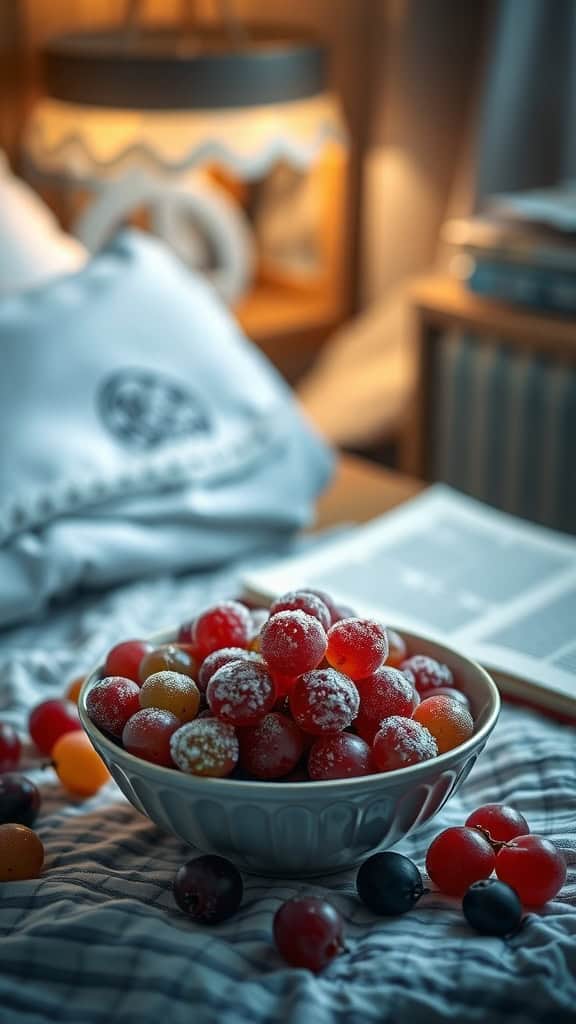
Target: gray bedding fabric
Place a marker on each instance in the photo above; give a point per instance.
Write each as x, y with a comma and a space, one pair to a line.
98, 937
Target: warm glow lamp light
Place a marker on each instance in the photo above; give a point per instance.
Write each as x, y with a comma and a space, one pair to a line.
208, 133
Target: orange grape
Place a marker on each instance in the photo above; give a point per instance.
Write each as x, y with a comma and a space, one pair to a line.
448, 720
80, 769
73, 690
171, 691
397, 652
21, 853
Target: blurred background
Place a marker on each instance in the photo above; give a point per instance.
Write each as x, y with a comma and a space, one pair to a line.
383, 192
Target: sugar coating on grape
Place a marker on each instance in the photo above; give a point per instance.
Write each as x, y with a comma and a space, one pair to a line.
241, 692
172, 691
227, 624
205, 747
293, 642
357, 646
111, 702
385, 693
305, 601
222, 657
324, 701
426, 673
449, 721
401, 742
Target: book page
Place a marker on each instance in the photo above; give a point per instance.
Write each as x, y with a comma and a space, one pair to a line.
443, 564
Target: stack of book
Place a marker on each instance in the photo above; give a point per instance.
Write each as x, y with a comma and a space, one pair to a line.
522, 249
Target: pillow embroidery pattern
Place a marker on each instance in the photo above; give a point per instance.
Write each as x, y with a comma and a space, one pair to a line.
144, 409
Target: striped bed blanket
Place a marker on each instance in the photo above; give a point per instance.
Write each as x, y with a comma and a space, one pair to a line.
98, 938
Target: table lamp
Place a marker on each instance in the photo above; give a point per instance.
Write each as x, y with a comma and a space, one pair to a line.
222, 139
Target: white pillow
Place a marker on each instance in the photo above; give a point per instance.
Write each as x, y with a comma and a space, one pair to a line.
33, 249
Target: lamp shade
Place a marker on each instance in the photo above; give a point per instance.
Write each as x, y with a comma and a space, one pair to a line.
181, 126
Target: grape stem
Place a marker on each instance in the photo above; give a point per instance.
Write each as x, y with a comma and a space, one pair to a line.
496, 844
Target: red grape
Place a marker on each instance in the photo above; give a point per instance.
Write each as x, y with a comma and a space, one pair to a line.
241, 692
217, 659
111, 702
271, 748
186, 634
208, 889
10, 747
50, 720
124, 659
457, 858
401, 742
327, 600
533, 867
305, 601
386, 692
324, 701
426, 673
293, 642
501, 822
205, 747
308, 932
341, 756
449, 721
148, 733
227, 624
357, 647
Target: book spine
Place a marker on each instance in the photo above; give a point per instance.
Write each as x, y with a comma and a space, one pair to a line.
543, 289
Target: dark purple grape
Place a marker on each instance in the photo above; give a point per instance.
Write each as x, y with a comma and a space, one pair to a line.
208, 889
492, 907
19, 800
389, 883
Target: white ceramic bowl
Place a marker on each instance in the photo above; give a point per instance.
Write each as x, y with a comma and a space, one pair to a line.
303, 828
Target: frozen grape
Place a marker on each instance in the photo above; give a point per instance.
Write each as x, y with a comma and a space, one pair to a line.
385, 693
171, 691
401, 742
111, 702
341, 756
125, 658
426, 673
324, 701
305, 601
271, 748
227, 624
292, 643
205, 747
168, 658
241, 692
357, 647
449, 721
148, 733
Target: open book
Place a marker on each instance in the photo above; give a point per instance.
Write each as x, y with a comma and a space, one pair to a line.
500, 589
